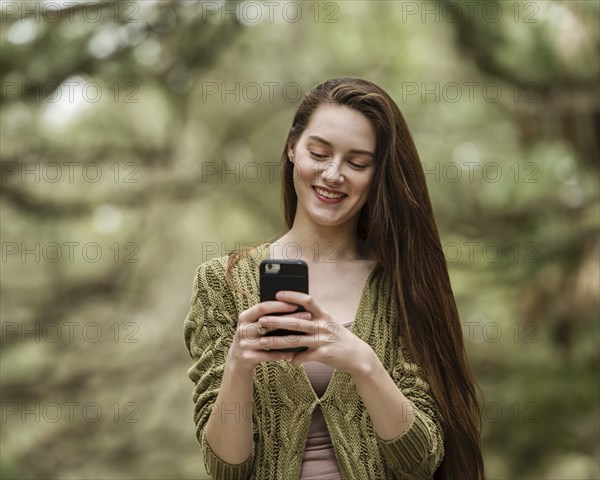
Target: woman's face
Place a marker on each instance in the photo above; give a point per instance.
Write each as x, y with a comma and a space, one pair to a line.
334, 163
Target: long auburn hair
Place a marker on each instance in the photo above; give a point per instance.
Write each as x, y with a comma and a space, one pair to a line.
398, 225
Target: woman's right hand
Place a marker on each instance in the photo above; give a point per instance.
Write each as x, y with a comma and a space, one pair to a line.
246, 352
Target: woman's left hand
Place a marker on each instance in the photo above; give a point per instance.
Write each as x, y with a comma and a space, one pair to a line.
327, 341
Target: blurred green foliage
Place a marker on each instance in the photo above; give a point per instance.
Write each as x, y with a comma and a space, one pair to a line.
139, 139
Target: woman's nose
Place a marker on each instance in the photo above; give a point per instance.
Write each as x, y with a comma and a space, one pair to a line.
331, 173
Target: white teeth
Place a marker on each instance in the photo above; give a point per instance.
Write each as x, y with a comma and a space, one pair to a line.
327, 194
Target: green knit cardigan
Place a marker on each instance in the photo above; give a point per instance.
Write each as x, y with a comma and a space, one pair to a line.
283, 397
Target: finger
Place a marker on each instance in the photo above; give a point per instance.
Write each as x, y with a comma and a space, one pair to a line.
305, 316
302, 315
264, 308
296, 320
249, 332
248, 342
269, 353
286, 341
295, 323
261, 330
303, 299
254, 330
321, 330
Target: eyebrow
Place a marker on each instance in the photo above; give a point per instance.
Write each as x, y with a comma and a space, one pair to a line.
354, 150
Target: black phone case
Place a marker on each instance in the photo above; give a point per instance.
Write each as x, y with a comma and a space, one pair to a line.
292, 275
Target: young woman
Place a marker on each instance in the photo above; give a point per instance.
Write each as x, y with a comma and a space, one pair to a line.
384, 389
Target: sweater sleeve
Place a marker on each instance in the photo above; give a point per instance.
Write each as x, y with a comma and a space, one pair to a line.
209, 329
418, 451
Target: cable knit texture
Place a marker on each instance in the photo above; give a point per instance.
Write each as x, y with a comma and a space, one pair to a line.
283, 398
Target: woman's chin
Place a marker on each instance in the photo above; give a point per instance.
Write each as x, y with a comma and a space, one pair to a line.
327, 221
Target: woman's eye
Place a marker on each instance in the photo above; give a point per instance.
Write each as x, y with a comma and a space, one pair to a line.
317, 155
358, 166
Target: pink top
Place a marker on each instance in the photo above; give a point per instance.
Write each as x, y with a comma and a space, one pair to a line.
319, 462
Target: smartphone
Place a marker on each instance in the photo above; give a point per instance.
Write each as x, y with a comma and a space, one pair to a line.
277, 275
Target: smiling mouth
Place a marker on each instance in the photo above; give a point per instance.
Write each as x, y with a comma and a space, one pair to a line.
328, 194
